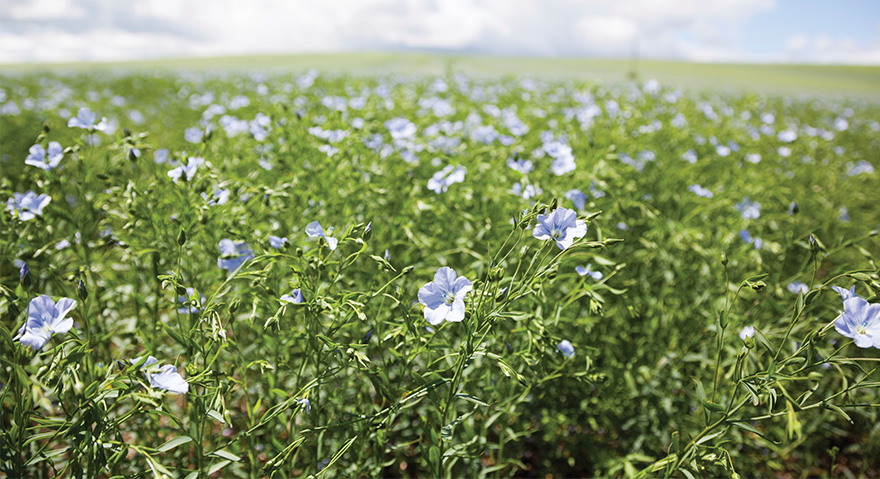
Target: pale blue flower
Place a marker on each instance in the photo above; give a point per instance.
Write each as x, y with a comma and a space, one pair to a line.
449, 175
277, 242
184, 299
401, 128
160, 156
315, 230
27, 205
563, 160
43, 159
844, 214
563, 165
220, 197
528, 192
166, 377
444, 297
861, 167
295, 297
860, 321
45, 318
188, 170
520, 165
798, 287
749, 209
566, 348
578, 197
596, 275
700, 191
746, 332
844, 293
233, 255
307, 403
193, 134
85, 119
562, 226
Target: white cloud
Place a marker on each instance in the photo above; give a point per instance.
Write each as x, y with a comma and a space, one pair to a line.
41, 9
827, 49
614, 34
69, 30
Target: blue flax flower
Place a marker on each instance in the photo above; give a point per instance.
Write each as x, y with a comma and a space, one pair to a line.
449, 175
700, 191
749, 209
277, 242
294, 297
188, 170
845, 294
85, 118
27, 205
166, 377
233, 255
746, 332
444, 297
45, 318
43, 159
566, 348
578, 197
315, 230
860, 321
798, 287
561, 226
588, 271
183, 299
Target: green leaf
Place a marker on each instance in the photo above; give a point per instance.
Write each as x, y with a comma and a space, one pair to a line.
177, 441
226, 455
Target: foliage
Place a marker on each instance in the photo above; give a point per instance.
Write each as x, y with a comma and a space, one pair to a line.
312, 356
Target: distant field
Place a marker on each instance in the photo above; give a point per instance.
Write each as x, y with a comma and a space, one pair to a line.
824, 80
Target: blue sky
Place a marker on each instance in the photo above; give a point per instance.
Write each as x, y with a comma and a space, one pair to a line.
803, 31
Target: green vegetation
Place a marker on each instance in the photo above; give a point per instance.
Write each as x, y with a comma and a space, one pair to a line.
707, 214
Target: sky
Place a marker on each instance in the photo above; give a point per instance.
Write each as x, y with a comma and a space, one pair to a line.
797, 31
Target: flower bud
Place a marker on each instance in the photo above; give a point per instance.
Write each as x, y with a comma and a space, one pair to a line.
24, 276
181, 238
724, 259
408, 270
496, 274
368, 231
181, 290
299, 252
814, 246
46, 128
723, 319
553, 204
132, 156
793, 208
81, 291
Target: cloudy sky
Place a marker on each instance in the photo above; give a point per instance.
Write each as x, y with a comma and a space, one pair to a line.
812, 31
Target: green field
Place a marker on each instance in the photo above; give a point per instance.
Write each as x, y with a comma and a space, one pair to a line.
434, 266
824, 80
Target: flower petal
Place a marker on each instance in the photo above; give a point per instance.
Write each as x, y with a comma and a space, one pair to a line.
35, 339
436, 315
314, 229
430, 296
445, 278
456, 312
